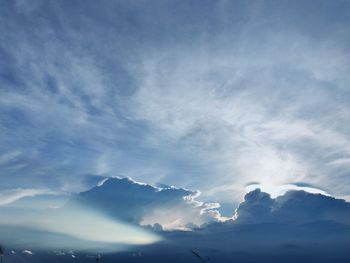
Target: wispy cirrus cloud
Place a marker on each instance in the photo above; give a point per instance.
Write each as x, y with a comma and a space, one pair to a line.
215, 96
9, 196
258, 116
8, 157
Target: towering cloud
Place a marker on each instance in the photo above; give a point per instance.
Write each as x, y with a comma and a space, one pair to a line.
131, 201
293, 207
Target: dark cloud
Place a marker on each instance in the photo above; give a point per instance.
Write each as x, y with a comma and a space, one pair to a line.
294, 206
140, 203
296, 227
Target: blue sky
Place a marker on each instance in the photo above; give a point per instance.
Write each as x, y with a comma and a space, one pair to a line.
207, 95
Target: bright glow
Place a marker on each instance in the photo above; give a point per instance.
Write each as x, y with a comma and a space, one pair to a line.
77, 223
89, 225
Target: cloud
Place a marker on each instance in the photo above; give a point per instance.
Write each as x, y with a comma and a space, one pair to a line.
246, 115
340, 162
144, 204
275, 191
9, 196
8, 157
28, 252
294, 206
29, 221
304, 224
297, 224
224, 93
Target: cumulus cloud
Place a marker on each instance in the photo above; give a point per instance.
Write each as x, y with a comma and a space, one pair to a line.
177, 208
131, 201
298, 224
293, 207
275, 191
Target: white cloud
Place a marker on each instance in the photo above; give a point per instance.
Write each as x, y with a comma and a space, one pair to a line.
268, 116
340, 161
28, 252
9, 196
253, 102
9, 156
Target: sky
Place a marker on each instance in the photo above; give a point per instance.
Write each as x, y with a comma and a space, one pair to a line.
214, 96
